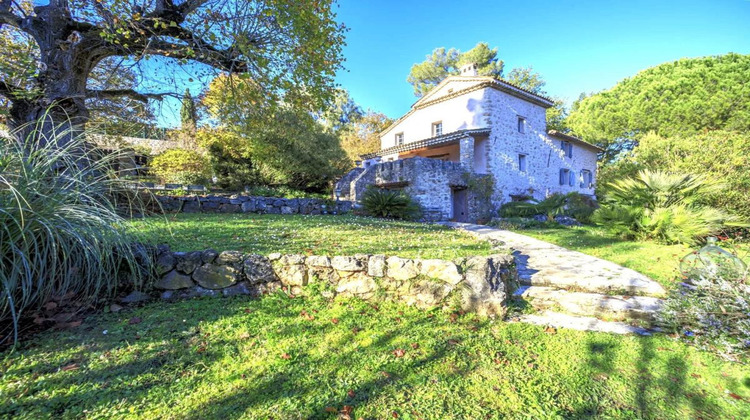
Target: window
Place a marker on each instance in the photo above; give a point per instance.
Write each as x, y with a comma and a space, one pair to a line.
587, 179
437, 129
522, 163
521, 124
399, 139
567, 148
565, 176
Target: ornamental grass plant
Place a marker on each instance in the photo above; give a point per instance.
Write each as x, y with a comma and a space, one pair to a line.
62, 232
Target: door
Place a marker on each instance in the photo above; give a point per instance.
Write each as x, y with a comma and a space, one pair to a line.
460, 206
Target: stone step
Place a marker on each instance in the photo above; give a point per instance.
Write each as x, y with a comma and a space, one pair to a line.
581, 323
605, 282
608, 307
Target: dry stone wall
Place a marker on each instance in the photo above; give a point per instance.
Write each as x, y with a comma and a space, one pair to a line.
480, 284
250, 204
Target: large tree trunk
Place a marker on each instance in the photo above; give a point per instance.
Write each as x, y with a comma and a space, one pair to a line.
55, 111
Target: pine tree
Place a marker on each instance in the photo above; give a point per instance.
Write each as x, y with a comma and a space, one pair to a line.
187, 112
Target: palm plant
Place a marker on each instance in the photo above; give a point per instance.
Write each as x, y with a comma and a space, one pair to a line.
60, 229
388, 203
663, 206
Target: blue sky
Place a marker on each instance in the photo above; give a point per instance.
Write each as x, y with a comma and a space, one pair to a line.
577, 46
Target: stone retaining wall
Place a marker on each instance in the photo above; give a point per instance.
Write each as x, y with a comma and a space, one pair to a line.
248, 204
477, 284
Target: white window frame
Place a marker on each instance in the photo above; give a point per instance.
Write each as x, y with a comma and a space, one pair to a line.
587, 178
399, 139
437, 128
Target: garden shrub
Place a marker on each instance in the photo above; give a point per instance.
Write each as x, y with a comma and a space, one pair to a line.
180, 166
391, 204
572, 204
712, 308
60, 229
663, 206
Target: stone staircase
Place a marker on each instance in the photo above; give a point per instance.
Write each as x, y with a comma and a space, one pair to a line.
574, 290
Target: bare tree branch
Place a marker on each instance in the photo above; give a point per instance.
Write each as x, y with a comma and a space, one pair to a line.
131, 93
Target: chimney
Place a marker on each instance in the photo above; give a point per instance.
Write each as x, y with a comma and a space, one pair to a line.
469, 69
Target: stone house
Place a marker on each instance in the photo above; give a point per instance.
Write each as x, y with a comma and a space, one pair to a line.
471, 144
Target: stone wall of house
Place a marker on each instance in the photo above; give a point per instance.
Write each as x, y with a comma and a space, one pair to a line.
477, 284
248, 204
544, 157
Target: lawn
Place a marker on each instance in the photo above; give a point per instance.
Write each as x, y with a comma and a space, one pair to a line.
319, 235
284, 358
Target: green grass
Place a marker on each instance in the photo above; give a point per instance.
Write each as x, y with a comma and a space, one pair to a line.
318, 235
239, 358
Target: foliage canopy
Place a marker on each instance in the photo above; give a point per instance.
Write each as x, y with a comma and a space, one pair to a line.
684, 97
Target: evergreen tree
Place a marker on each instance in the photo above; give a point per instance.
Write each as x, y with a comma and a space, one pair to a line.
187, 112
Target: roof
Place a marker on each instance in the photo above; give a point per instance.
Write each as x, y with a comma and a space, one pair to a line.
483, 82
432, 141
573, 139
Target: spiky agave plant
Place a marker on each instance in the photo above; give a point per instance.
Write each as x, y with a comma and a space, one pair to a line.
60, 229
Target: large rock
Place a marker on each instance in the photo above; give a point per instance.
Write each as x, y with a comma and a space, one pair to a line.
209, 256
358, 284
212, 276
165, 262
291, 275
292, 259
428, 293
356, 263
258, 269
248, 206
174, 281
229, 258
485, 293
402, 269
441, 270
189, 261
318, 261
376, 266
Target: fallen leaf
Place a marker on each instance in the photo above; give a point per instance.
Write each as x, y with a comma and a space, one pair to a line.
399, 352
735, 396
72, 366
550, 330
50, 305
414, 345
335, 320
385, 374
135, 320
394, 414
695, 375
351, 394
286, 356
115, 307
331, 410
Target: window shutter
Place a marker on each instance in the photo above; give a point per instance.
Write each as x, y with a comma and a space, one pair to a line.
562, 176
572, 179
570, 150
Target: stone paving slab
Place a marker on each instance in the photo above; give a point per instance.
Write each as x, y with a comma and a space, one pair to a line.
581, 323
541, 263
590, 304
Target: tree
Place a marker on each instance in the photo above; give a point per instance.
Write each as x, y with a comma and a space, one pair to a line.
684, 97
717, 154
363, 135
527, 78
188, 115
341, 112
443, 63
278, 145
285, 45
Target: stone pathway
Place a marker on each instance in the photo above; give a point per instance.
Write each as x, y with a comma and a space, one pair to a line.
575, 286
